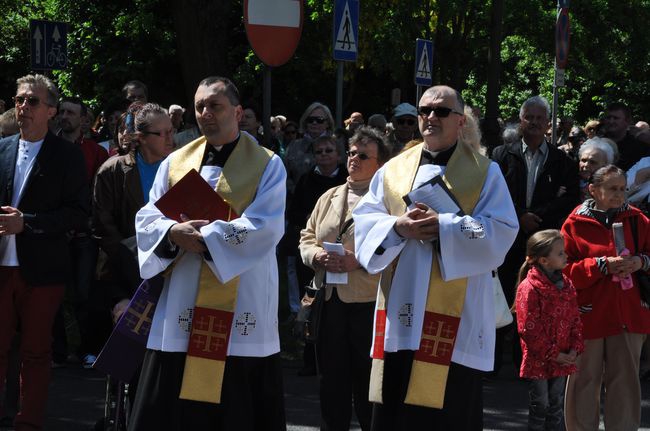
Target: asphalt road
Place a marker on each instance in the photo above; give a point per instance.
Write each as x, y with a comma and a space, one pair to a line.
77, 399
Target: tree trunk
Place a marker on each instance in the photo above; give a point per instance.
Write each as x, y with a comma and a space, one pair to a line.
202, 34
491, 129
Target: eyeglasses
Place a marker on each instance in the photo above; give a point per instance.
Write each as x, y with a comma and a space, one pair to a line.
315, 120
31, 100
362, 156
161, 134
402, 121
326, 150
440, 111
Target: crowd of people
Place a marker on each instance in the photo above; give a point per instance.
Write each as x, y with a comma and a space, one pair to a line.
405, 224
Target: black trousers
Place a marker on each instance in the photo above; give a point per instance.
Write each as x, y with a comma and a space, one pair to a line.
463, 405
344, 363
252, 397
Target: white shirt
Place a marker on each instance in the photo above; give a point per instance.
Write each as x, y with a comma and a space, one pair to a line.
470, 246
27, 152
534, 164
243, 247
638, 192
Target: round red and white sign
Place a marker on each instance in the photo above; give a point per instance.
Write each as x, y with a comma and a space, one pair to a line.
273, 28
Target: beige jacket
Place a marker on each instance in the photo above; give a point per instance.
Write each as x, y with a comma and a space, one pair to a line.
324, 224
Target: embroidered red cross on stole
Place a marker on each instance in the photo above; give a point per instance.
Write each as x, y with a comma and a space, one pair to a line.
210, 333
380, 330
438, 338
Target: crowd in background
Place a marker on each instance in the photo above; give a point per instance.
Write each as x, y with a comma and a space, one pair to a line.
596, 175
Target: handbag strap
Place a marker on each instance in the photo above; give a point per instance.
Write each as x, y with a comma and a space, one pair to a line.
343, 229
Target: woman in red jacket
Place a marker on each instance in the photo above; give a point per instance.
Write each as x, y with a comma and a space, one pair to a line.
615, 319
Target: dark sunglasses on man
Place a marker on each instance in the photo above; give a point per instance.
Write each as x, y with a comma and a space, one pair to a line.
326, 151
31, 100
315, 120
440, 111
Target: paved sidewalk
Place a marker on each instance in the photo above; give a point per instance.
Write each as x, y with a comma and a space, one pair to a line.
77, 400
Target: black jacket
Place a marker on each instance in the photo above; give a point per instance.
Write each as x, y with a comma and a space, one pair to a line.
558, 170
55, 201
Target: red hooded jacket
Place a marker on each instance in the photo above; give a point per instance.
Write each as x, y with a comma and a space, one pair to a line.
548, 322
605, 308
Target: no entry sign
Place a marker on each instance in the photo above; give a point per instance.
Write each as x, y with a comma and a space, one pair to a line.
273, 28
562, 39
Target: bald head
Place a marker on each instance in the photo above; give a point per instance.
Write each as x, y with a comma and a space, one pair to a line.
446, 92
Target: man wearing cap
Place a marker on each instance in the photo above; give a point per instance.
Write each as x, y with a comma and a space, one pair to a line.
405, 124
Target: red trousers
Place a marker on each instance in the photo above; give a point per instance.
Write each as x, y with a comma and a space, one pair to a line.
34, 308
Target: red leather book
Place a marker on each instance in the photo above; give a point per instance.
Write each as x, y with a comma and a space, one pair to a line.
194, 197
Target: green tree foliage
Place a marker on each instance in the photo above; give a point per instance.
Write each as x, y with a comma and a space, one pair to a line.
112, 42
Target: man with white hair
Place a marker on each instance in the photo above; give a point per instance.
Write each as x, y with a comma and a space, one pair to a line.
543, 185
434, 327
176, 115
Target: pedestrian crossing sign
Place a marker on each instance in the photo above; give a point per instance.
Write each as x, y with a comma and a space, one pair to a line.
346, 30
423, 62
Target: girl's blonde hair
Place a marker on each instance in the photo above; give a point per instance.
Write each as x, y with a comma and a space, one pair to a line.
538, 245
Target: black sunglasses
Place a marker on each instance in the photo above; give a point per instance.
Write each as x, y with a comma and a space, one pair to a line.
31, 100
402, 121
362, 156
440, 111
317, 120
326, 150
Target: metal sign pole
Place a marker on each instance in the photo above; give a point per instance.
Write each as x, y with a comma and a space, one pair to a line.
339, 95
554, 109
266, 121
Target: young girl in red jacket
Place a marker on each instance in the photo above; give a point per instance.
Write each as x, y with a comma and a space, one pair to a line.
549, 327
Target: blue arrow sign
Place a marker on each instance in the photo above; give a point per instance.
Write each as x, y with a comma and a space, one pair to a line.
346, 30
48, 45
423, 62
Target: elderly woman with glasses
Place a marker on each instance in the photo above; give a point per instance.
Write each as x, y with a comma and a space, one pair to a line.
316, 121
326, 174
122, 188
346, 325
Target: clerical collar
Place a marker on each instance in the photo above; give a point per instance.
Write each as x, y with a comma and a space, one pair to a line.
440, 158
214, 157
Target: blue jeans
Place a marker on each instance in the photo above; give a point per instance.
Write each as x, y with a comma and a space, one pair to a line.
546, 401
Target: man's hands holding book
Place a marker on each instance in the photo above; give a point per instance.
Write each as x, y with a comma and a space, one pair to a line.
187, 236
419, 223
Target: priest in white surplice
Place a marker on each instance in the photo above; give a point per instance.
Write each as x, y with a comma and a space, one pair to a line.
212, 358
434, 321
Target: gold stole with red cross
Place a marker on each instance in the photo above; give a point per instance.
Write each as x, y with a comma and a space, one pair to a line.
215, 302
464, 176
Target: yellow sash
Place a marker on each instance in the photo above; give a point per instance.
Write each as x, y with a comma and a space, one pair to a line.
215, 302
464, 176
